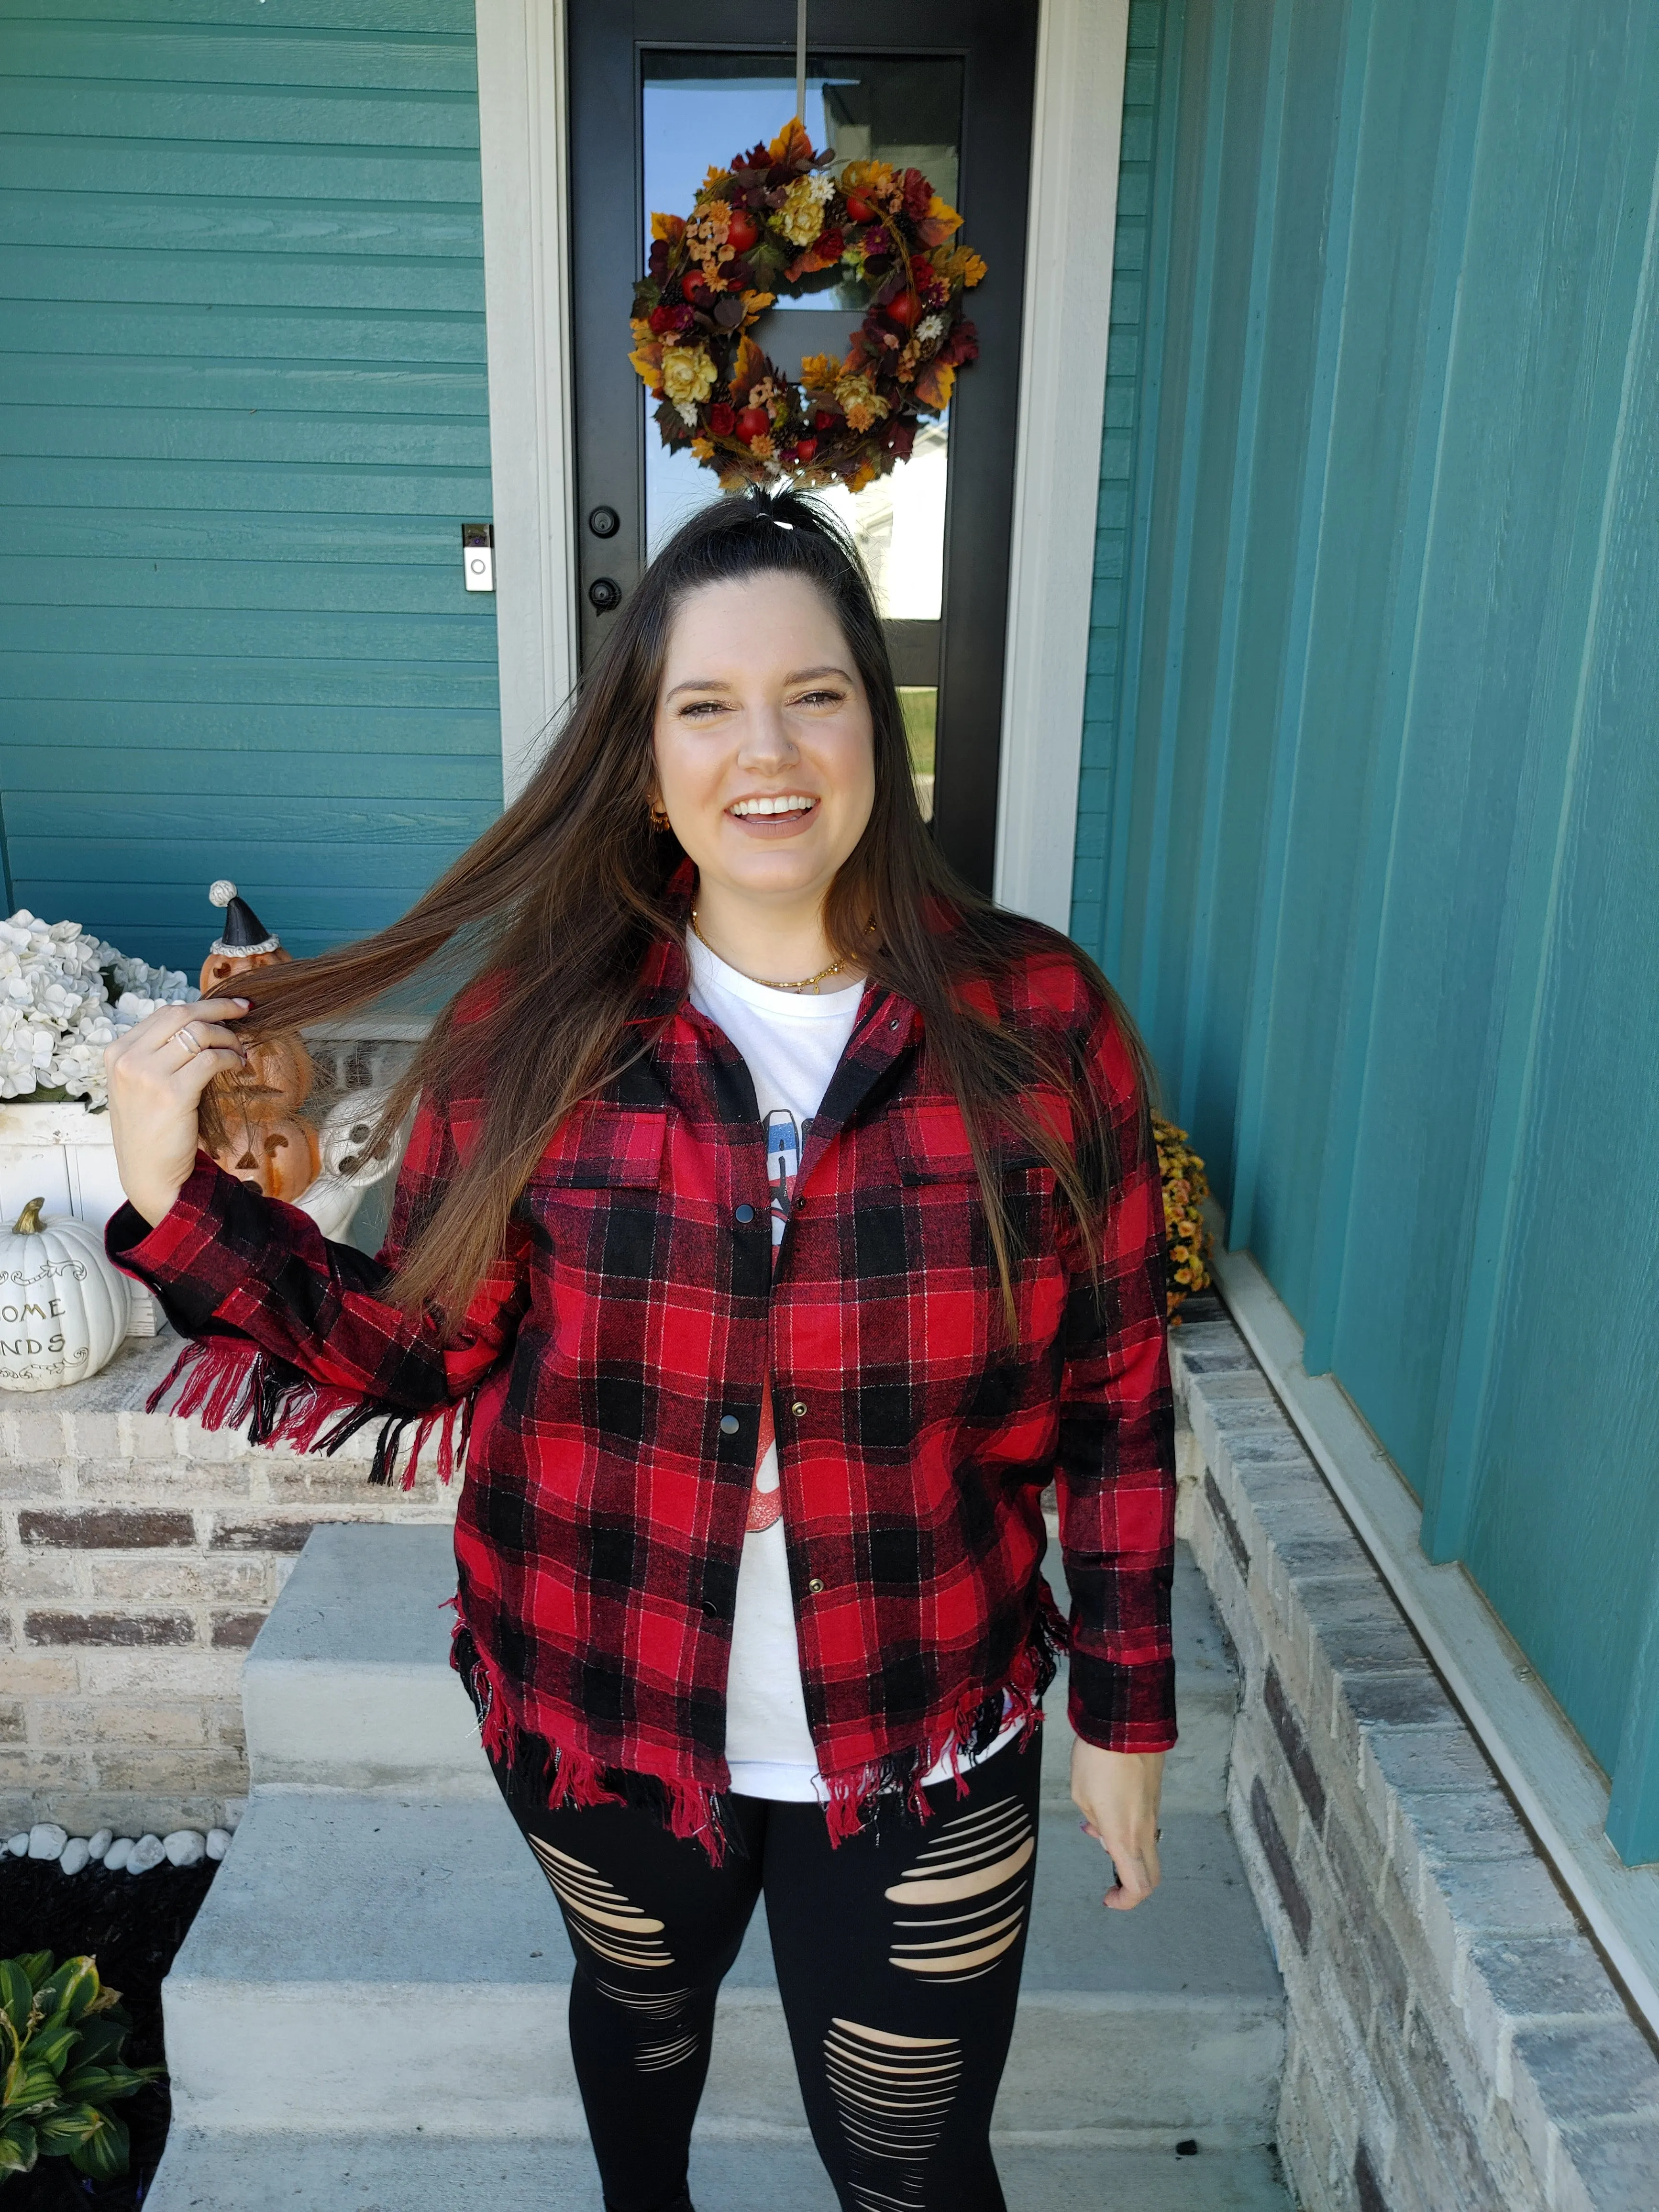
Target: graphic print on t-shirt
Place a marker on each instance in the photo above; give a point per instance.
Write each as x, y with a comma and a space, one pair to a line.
783, 1143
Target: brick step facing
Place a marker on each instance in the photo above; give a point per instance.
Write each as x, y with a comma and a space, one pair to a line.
381, 1965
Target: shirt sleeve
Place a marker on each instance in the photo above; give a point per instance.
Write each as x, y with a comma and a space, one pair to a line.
230, 1265
1115, 1471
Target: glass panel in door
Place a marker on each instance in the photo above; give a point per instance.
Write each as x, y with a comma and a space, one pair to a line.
905, 110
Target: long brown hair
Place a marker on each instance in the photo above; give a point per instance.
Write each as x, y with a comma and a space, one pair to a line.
559, 902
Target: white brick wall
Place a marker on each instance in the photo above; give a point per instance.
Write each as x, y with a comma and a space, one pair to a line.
1455, 2040
138, 1557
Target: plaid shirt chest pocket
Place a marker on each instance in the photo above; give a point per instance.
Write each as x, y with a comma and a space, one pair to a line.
936, 1211
604, 1165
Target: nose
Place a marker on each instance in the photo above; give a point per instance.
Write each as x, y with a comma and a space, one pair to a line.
767, 747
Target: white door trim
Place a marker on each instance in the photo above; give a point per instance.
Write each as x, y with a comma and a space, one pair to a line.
1077, 121
521, 121
1082, 48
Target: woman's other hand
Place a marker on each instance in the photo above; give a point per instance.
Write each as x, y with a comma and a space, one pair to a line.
157, 1073
1117, 1794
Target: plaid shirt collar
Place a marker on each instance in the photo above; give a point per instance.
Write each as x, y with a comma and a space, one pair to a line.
885, 1028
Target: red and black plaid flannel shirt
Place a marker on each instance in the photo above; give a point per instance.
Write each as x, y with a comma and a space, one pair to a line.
612, 1365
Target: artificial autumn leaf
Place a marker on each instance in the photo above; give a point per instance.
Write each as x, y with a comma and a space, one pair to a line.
647, 363
933, 385
819, 371
936, 225
792, 144
669, 227
749, 366
962, 265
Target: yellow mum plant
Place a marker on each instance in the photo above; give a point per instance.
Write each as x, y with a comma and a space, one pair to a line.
1186, 1186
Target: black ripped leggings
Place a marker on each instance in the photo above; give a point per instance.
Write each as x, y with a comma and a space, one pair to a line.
898, 1957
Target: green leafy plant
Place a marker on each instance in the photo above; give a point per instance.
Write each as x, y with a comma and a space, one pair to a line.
60, 2033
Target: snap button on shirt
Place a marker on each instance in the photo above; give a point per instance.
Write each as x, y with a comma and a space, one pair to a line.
729, 1424
745, 1213
799, 1409
815, 1586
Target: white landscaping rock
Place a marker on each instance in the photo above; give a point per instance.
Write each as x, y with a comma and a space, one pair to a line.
149, 1851
218, 1842
97, 1844
117, 1854
46, 1840
184, 1847
74, 1855
18, 1844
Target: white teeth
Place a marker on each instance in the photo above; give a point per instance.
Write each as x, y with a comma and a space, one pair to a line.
793, 803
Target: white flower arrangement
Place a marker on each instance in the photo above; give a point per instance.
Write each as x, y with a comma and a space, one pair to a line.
64, 996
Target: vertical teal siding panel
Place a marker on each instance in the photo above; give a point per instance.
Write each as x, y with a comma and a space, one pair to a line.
1132, 381
1382, 789
245, 414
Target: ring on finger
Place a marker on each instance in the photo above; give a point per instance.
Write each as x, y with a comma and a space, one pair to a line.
187, 1037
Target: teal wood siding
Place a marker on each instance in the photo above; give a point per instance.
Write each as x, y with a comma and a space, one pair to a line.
1132, 357
1372, 802
242, 369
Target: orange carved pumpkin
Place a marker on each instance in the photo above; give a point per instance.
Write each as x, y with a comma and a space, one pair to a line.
281, 1156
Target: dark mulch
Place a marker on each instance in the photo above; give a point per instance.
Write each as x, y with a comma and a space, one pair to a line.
131, 1925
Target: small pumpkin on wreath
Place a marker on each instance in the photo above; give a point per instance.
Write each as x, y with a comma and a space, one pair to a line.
777, 222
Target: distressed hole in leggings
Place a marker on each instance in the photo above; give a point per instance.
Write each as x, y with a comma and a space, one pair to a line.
962, 1906
893, 2094
669, 2043
603, 1919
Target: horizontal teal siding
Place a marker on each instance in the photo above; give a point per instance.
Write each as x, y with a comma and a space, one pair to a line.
1375, 817
244, 413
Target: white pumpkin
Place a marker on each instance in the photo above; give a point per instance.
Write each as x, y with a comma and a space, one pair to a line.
64, 1307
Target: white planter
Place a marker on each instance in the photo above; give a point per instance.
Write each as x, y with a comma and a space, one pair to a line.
61, 1152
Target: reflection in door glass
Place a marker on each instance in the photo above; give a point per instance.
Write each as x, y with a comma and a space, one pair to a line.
699, 109
919, 706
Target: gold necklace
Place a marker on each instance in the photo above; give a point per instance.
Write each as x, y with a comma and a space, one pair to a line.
807, 982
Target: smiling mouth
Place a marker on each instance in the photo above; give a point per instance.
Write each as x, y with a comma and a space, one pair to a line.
791, 803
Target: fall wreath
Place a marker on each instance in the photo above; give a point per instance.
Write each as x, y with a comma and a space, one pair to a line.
777, 222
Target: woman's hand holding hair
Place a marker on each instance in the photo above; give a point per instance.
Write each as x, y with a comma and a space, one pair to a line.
157, 1073
1117, 1794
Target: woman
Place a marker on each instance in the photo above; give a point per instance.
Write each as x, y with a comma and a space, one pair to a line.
781, 1218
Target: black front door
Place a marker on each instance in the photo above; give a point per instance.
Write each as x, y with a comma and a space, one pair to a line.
660, 90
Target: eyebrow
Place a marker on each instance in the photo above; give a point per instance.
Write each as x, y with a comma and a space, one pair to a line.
795, 676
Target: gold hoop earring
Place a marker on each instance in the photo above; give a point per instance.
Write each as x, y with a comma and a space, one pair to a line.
658, 816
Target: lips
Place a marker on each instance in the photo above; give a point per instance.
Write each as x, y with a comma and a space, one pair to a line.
789, 805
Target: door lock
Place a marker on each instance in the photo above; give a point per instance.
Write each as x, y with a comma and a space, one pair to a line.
604, 593
605, 522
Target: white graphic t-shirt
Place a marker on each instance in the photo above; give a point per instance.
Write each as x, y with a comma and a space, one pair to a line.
792, 1045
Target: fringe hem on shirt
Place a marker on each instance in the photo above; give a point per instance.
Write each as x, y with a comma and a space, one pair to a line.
691, 1810
229, 1382
560, 1773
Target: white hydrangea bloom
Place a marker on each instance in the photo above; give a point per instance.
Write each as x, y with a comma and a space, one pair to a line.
56, 1013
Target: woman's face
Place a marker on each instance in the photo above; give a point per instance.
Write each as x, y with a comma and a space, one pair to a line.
764, 748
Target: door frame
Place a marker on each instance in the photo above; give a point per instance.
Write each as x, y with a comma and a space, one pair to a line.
1082, 46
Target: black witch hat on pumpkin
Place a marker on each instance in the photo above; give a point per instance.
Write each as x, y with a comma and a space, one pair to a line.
244, 934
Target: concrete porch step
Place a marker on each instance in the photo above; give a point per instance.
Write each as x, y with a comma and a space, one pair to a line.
378, 1965
297, 2173
349, 1684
